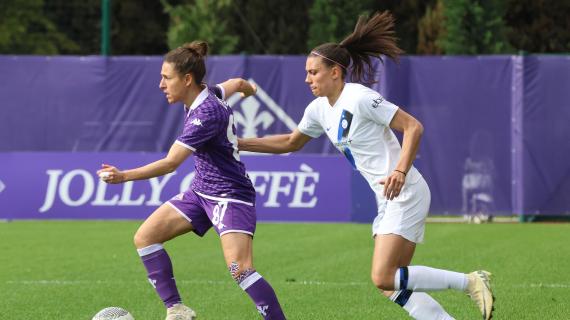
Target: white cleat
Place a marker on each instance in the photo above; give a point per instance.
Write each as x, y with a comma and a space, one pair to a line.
180, 312
479, 289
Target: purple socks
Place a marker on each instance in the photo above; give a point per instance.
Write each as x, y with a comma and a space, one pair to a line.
262, 294
160, 274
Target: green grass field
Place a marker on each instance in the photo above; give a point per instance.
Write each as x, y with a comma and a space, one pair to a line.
70, 270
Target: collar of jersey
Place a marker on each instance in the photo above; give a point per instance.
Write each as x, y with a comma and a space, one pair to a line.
339, 97
199, 99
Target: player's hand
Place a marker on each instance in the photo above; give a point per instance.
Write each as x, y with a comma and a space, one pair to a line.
110, 174
249, 90
393, 184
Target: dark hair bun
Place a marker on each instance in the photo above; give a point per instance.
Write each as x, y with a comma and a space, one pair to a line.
200, 47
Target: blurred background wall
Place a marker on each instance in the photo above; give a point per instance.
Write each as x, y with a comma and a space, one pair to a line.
488, 79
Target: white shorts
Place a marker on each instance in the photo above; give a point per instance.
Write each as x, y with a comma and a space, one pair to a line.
406, 214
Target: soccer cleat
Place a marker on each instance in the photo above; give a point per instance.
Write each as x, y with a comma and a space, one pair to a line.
180, 312
479, 289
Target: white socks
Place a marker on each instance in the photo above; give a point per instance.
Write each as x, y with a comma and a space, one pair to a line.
420, 305
419, 278
410, 284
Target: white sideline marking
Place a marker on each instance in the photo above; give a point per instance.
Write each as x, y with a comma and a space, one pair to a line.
543, 285
325, 283
230, 282
218, 282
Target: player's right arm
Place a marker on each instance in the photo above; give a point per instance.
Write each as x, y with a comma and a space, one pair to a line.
231, 86
176, 155
281, 143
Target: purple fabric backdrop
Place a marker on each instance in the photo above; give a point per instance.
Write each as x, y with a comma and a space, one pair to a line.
545, 136
497, 137
464, 105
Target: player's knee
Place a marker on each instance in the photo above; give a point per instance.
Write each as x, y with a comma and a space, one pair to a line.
141, 240
239, 271
383, 279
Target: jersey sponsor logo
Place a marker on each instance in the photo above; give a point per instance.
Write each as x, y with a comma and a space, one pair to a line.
343, 143
376, 102
196, 122
255, 115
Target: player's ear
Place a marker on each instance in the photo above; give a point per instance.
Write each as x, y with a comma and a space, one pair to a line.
188, 79
336, 72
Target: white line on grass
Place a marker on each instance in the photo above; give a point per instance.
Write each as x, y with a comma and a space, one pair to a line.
229, 282
217, 282
543, 285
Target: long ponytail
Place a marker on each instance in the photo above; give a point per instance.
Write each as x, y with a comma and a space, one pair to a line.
371, 38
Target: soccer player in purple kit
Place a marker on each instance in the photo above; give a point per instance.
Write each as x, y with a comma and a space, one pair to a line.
221, 194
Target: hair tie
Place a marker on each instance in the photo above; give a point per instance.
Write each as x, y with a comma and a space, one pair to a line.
329, 59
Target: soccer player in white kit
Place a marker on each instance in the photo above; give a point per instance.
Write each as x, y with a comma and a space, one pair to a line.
359, 122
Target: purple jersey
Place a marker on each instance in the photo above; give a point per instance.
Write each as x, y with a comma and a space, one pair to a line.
210, 133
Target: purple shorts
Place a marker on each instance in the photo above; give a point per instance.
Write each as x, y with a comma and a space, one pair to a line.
225, 215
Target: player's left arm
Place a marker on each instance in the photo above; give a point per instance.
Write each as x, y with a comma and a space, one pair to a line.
176, 155
278, 144
244, 87
412, 130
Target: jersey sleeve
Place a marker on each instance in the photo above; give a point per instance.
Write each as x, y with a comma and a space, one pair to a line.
218, 90
374, 107
309, 124
199, 127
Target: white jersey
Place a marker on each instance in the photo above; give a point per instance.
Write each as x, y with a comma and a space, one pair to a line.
359, 127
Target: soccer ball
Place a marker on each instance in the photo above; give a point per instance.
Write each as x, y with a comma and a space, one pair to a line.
113, 313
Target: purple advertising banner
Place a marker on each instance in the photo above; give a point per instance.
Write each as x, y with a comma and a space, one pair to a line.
65, 186
496, 138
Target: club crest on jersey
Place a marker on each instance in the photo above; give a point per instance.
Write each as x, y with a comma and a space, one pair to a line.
376, 102
344, 123
196, 122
